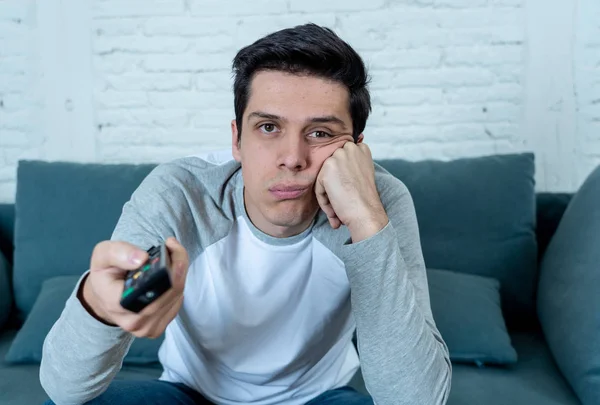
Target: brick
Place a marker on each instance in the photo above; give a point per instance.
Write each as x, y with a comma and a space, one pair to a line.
186, 26
593, 148
15, 9
462, 132
15, 65
12, 29
484, 55
403, 59
497, 112
189, 62
146, 153
13, 46
12, 83
117, 63
18, 120
143, 45
216, 43
399, 134
136, 136
511, 92
117, 99
251, 28
334, 5
14, 154
219, 119
589, 60
446, 114
485, 18
459, 4
117, 27
143, 117
507, 3
221, 80
437, 77
190, 99
8, 174
402, 97
206, 8
136, 8
149, 81
8, 190
10, 138
14, 102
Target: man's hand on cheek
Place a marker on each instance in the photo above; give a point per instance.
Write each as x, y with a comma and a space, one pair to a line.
347, 193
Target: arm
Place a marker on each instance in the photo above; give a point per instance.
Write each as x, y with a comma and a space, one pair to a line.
404, 359
81, 354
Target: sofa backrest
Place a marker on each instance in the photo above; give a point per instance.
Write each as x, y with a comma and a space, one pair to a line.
549, 210
549, 206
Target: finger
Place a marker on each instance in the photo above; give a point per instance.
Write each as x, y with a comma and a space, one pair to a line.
120, 255
179, 263
156, 325
322, 198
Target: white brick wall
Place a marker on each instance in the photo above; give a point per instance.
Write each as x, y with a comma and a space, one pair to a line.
150, 80
19, 135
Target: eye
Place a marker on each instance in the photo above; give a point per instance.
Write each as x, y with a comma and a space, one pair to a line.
268, 128
319, 134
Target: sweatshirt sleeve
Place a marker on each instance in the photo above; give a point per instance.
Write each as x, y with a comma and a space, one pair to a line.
82, 355
404, 359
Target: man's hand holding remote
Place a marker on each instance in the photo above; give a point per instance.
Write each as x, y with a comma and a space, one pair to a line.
103, 287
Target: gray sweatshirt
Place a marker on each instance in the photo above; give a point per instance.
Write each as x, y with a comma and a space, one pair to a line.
266, 320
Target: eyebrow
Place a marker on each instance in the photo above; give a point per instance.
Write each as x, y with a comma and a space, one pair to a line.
316, 120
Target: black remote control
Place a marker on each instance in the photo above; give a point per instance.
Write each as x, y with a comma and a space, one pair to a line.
149, 281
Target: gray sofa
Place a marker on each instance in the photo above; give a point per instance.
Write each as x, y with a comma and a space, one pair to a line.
478, 217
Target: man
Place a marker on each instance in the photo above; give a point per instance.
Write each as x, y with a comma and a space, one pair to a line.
279, 255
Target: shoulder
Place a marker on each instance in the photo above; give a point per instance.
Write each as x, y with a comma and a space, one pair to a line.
191, 173
390, 187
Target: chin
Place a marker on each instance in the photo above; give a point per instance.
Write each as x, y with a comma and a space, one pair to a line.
289, 218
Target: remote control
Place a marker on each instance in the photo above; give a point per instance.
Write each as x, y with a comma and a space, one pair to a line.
149, 281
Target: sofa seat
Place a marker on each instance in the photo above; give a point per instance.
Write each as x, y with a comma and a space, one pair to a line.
20, 384
534, 379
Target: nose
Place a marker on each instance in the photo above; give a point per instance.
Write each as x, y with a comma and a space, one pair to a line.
293, 153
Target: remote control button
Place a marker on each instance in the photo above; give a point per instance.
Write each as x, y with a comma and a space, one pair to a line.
150, 295
128, 291
136, 275
156, 259
146, 267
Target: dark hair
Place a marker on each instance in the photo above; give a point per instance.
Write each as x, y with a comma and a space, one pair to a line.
305, 49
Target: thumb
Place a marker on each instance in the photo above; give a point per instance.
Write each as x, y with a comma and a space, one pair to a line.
179, 262
113, 255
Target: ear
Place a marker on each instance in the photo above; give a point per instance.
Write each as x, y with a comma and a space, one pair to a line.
235, 142
361, 137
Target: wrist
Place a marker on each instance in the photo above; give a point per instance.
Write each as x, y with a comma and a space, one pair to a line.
86, 297
364, 227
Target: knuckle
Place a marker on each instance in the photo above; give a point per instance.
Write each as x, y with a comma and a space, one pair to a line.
132, 326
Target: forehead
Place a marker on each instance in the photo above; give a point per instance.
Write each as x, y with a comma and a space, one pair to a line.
285, 93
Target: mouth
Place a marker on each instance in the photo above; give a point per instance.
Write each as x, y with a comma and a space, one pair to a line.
288, 192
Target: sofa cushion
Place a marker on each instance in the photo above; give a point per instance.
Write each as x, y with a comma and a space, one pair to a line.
28, 343
62, 211
20, 384
477, 216
467, 312
5, 290
568, 294
533, 380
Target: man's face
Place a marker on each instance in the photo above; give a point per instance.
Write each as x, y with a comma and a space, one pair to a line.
291, 125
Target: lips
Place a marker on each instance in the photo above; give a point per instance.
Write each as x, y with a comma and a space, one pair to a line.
288, 192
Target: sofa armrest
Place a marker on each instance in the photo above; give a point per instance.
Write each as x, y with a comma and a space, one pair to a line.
6, 296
